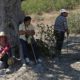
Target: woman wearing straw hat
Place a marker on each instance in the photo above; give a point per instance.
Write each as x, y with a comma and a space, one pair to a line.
4, 49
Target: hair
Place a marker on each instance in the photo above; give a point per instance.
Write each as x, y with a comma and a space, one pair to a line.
27, 18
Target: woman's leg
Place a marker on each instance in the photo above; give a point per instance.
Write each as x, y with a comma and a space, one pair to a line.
5, 60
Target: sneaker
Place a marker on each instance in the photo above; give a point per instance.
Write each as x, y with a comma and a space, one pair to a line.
23, 65
23, 68
27, 60
39, 60
8, 70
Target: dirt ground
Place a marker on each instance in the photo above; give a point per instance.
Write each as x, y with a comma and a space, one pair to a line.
65, 68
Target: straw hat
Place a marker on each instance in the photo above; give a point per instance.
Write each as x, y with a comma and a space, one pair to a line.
2, 34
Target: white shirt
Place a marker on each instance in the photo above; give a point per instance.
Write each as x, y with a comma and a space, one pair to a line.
23, 27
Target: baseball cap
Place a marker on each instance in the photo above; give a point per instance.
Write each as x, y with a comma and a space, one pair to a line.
64, 10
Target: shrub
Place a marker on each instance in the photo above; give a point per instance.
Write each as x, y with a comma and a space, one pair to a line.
69, 4
74, 23
46, 39
39, 6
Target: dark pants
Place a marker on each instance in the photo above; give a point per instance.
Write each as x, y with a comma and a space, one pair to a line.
59, 37
33, 51
28, 50
24, 48
5, 58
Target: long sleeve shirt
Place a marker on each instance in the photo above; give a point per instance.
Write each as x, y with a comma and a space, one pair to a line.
24, 28
5, 49
61, 23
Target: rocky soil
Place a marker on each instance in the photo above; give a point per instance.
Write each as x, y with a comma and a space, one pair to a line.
65, 68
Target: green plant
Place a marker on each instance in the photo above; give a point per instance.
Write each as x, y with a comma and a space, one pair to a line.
39, 6
74, 23
46, 38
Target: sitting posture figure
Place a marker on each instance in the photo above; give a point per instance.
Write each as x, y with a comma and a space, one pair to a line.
27, 32
4, 50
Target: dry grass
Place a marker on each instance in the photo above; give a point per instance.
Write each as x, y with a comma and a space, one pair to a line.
49, 18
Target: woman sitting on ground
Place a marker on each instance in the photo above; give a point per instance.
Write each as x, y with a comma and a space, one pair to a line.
5, 50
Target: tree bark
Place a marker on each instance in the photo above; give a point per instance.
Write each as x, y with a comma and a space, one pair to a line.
10, 17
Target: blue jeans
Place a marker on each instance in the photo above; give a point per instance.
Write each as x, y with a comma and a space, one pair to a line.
27, 50
24, 48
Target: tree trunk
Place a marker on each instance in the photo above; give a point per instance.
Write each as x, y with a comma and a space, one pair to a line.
10, 16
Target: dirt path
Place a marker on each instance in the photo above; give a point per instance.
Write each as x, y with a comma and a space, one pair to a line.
65, 68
